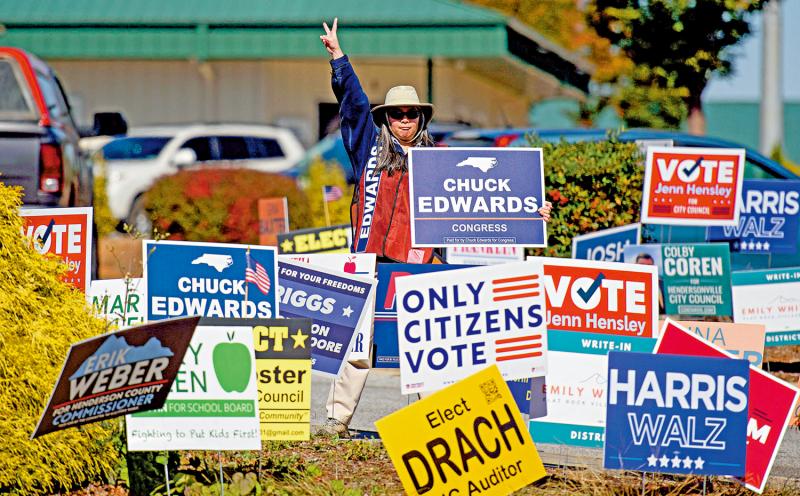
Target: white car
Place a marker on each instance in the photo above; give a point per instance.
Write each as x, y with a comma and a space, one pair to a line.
134, 162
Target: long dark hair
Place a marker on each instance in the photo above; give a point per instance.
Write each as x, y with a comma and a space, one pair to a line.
389, 158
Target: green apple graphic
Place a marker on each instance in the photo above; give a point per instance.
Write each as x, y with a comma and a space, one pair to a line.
232, 365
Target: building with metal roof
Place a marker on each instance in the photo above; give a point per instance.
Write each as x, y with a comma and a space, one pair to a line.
261, 61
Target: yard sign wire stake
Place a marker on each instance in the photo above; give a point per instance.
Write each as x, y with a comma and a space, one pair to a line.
166, 472
644, 474
705, 479
221, 485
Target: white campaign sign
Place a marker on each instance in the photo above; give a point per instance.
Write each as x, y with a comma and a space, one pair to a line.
484, 255
213, 402
119, 301
451, 327
363, 264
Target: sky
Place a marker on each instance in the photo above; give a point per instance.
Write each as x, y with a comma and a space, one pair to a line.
745, 83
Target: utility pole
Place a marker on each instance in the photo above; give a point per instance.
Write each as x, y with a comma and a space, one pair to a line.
771, 125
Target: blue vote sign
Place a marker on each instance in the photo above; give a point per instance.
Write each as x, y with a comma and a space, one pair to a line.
335, 302
676, 414
476, 196
607, 245
209, 280
768, 218
387, 354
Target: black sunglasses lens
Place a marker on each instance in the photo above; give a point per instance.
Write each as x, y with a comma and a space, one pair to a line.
398, 114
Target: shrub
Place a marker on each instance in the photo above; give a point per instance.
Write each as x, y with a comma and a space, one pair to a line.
103, 218
592, 185
39, 317
220, 205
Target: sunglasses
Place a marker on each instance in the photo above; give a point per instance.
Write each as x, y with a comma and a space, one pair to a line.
398, 114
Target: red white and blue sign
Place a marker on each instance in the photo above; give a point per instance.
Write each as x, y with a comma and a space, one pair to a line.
676, 414
385, 337
769, 218
476, 196
337, 304
209, 280
607, 245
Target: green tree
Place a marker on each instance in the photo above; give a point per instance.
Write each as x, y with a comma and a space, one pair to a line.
676, 45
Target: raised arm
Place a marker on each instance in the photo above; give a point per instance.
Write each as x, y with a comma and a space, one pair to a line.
358, 128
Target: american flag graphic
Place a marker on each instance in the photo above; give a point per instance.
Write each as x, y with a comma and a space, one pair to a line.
332, 193
257, 275
513, 288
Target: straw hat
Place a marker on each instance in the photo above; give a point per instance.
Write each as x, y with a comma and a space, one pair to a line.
404, 96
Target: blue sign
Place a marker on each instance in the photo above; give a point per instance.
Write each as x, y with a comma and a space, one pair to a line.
768, 218
607, 245
476, 196
676, 414
209, 280
335, 302
387, 354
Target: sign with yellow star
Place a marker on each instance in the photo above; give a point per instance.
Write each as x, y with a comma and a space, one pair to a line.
283, 368
332, 239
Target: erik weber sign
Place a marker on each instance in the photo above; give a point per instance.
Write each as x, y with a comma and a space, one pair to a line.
114, 374
676, 414
209, 279
692, 186
450, 326
476, 196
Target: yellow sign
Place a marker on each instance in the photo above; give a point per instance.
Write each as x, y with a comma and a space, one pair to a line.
467, 439
333, 239
283, 368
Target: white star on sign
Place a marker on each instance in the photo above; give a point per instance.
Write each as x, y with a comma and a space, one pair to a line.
346, 311
687, 462
676, 461
652, 460
758, 245
766, 245
698, 463
664, 461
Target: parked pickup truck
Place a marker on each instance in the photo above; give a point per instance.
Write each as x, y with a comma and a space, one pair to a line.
38, 136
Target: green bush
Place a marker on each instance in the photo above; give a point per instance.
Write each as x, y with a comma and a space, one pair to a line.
592, 185
39, 317
220, 205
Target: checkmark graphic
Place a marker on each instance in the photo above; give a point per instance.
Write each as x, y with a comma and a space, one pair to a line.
690, 170
588, 293
47, 232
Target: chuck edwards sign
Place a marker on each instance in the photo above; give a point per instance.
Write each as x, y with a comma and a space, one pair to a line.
468, 439
451, 326
476, 196
209, 280
692, 186
602, 297
676, 414
114, 374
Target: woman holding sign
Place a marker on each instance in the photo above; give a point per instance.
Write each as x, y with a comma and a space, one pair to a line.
377, 142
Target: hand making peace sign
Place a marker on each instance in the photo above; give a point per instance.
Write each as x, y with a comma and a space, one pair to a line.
331, 41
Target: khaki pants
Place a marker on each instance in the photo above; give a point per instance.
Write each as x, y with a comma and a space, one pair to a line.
346, 391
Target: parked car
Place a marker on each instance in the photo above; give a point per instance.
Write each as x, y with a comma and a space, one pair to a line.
331, 148
38, 135
134, 162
